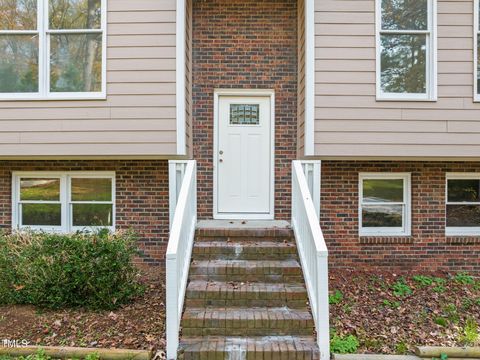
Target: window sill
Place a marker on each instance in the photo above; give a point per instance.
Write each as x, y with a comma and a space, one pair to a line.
463, 240
405, 99
383, 239
63, 97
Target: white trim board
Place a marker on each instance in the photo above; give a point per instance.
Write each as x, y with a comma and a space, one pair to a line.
180, 77
309, 117
247, 93
476, 31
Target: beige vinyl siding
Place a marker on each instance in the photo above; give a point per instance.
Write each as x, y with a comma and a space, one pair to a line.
138, 117
350, 123
188, 78
301, 80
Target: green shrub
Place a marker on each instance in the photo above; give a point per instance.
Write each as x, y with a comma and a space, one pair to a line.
343, 344
423, 281
464, 279
92, 270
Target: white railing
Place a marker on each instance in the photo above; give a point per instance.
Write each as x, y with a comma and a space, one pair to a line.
179, 250
312, 250
176, 172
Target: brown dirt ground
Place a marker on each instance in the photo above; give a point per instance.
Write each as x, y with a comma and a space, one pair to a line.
363, 312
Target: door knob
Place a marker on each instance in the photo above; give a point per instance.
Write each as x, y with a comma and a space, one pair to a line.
221, 160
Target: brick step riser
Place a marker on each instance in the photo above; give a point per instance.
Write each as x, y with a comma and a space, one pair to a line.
208, 330
288, 279
230, 255
247, 271
246, 239
242, 294
209, 303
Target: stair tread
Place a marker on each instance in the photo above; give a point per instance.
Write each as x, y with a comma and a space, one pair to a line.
280, 313
206, 285
251, 244
255, 344
245, 263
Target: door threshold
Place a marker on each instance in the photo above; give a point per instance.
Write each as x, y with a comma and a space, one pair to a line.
247, 224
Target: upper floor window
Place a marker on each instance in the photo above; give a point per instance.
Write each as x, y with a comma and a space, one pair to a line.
476, 36
52, 49
406, 66
463, 204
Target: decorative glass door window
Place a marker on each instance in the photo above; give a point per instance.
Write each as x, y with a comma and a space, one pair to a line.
64, 202
244, 114
405, 49
384, 204
52, 49
463, 204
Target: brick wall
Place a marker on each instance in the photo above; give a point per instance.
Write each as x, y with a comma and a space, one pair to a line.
428, 249
245, 44
141, 197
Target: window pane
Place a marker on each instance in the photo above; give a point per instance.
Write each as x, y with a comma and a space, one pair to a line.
463, 215
464, 190
18, 63
382, 216
41, 214
18, 14
403, 63
91, 189
244, 114
383, 190
92, 215
40, 189
75, 14
76, 63
404, 14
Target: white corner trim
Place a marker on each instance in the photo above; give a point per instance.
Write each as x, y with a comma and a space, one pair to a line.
180, 77
309, 141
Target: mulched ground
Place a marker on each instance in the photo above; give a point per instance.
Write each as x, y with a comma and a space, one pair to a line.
139, 325
434, 314
366, 307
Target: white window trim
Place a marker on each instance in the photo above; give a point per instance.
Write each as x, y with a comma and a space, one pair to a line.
44, 63
458, 230
407, 215
65, 198
431, 75
476, 32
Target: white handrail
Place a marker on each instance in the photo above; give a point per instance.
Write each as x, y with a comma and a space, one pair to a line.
313, 254
179, 252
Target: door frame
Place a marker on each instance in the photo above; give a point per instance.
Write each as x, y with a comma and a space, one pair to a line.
245, 93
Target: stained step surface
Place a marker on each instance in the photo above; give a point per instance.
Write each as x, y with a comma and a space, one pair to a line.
245, 250
267, 348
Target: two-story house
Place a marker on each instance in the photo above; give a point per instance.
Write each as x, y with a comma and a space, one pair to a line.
96, 96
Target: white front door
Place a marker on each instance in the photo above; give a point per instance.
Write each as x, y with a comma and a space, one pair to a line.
244, 158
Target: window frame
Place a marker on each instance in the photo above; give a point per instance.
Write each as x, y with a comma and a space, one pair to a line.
43, 32
476, 37
460, 230
431, 58
405, 230
65, 199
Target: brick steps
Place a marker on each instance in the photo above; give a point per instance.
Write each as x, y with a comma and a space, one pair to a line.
245, 250
246, 297
237, 294
265, 348
247, 321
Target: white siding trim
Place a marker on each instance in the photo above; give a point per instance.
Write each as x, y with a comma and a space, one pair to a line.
431, 71
180, 77
407, 203
309, 117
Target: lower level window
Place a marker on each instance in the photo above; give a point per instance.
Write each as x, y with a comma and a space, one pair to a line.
384, 204
63, 202
463, 204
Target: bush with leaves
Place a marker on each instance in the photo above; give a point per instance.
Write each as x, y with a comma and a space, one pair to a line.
343, 344
93, 270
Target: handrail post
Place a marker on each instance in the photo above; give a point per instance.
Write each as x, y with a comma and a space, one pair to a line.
172, 324
323, 327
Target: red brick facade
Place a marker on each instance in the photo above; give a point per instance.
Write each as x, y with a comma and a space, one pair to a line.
245, 44
428, 249
141, 197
